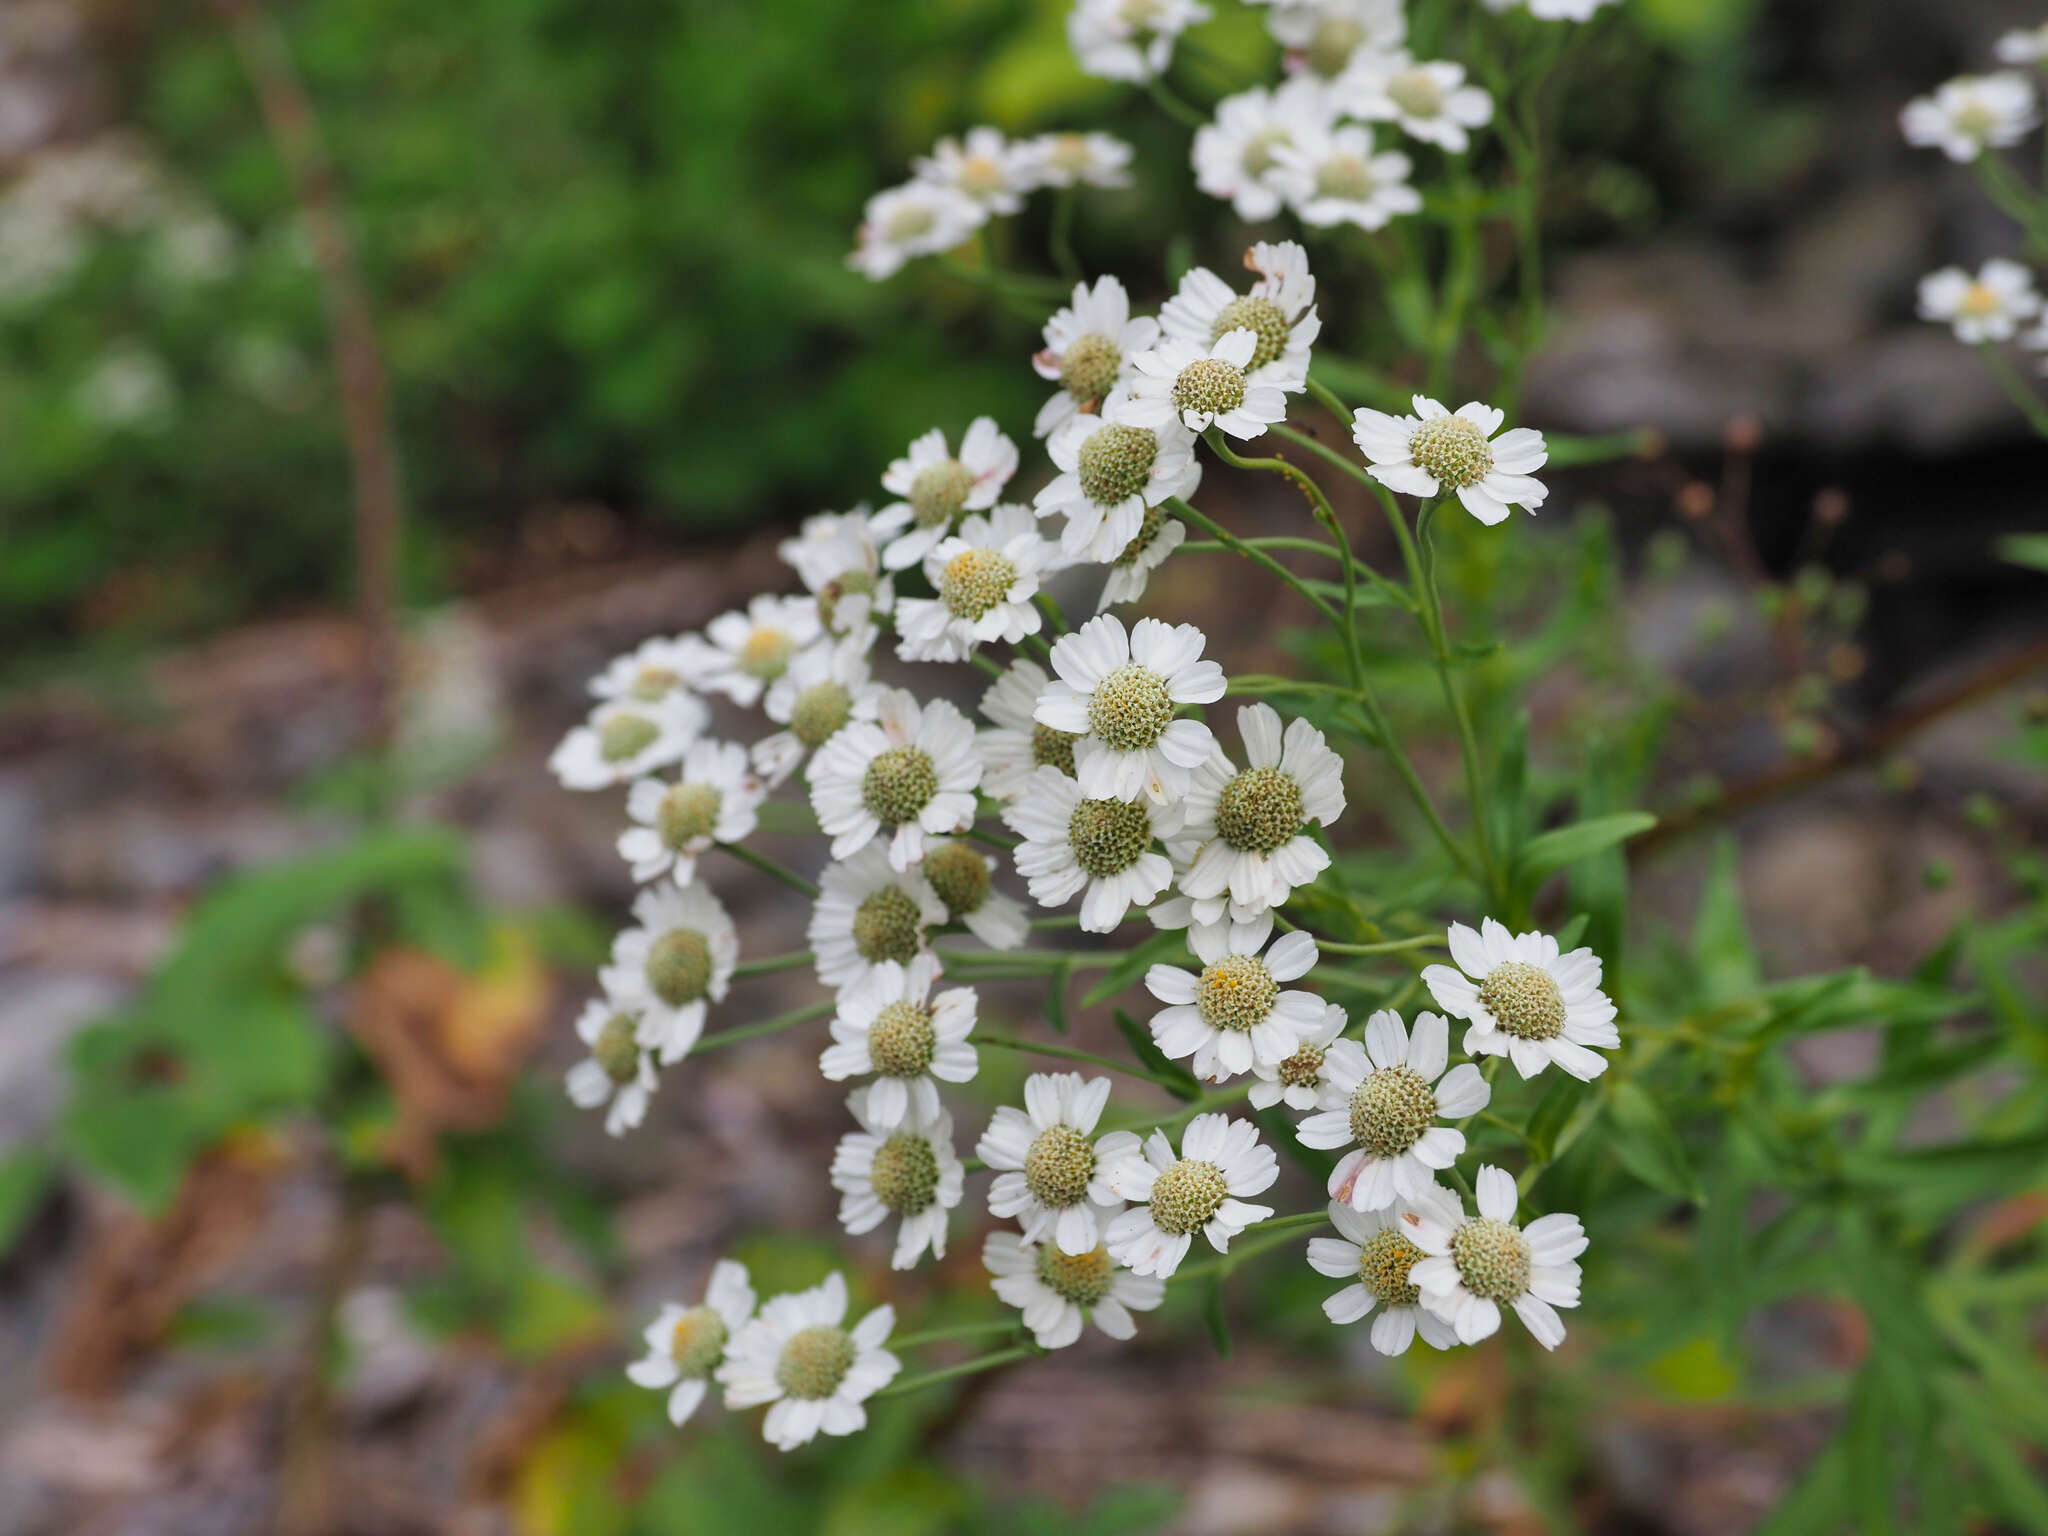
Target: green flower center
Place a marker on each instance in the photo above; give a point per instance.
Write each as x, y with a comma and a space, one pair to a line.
688, 812
1416, 92
1332, 46
815, 1361
959, 875
1187, 1196
820, 710
846, 584
1345, 177
901, 1040
887, 925
1453, 450
1058, 1167
697, 1341
1088, 367
617, 1050
905, 1174
1116, 463
939, 492
1070, 153
1082, 1278
1390, 1110
1384, 1260
1258, 150
1259, 810
907, 221
1148, 530
623, 737
1108, 836
653, 683
1304, 1069
1974, 120
1492, 1258
766, 654
1209, 385
1263, 319
1129, 710
899, 783
1237, 993
1524, 1000
679, 966
974, 581
1053, 749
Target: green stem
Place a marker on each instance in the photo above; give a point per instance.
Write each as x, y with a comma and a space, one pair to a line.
770, 867
1385, 947
1063, 257
1258, 557
781, 1021
771, 963
1008, 1324
1330, 400
1270, 1234
2017, 388
1180, 111
1214, 546
989, 1362
1068, 1053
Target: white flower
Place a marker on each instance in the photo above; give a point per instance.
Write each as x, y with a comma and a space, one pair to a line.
1553, 10
1437, 450
2024, 45
1131, 572
1049, 1175
840, 560
1250, 846
1234, 156
964, 879
1202, 1190
1279, 310
748, 651
1088, 350
1057, 1292
1477, 1265
667, 969
1232, 1015
916, 219
1384, 1097
986, 577
618, 1068
713, 800
1014, 746
825, 687
817, 1373
986, 167
1078, 159
1972, 113
1987, 307
908, 773
1324, 36
650, 671
1524, 1001
627, 738
1332, 176
1297, 1079
908, 1171
1129, 39
1120, 691
934, 488
867, 913
1375, 1254
1202, 387
1428, 99
1073, 844
1113, 478
890, 1025
686, 1344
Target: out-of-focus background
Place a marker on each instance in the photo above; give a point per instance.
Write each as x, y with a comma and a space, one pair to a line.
602, 246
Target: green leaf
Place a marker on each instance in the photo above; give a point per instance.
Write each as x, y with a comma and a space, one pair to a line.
1056, 997
1215, 1317
1175, 1078
1720, 933
1936, 1180
1648, 1147
2027, 549
24, 1179
1818, 1504
1559, 1102
1548, 852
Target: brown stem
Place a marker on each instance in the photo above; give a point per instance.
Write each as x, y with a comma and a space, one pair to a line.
308, 1502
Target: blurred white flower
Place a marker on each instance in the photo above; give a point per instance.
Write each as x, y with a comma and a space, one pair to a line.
1972, 113
1987, 307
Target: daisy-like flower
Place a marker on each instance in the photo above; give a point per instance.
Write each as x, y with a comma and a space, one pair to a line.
1334, 176
916, 219
1279, 310
1080, 159
984, 166
1987, 307
686, 1344
1553, 10
1119, 691
840, 561
1203, 386
1972, 113
1436, 450
964, 879
986, 577
1373, 1251
934, 488
1014, 746
1057, 1291
824, 688
618, 1070
1131, 572
1525, 1001
1050, 1175
907, 774
1249, 830
1324, 36
1203, 1189
868, 913
1231, 1015
1384, 1099
651, 671
817, 1372
1297, 1080
892, 1026
1113, 476
1427, 99
628, 738
676, 961
1235, 155
713, 800
1073, 844
1129, 39
2024, 45
1088, 349
907, 1171
748, 651
1475, 1265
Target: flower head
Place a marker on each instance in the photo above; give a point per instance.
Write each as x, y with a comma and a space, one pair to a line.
839, 557
892, 1026
826, 687
1298, 1078
868, 913
1383, 1099
1113, 477
1202, 386
1073, 843
1323, 37
1118, 691
685, 1344
799, 1356
1059, 1291
1525, 1001
985, 167
1279, 309
2024, 45
626, 738
1987, 307
1375, 1253
1129, 39
907, 774
668, 968
749, 651
713, 799
916, 219
1131, 571
1246, 839
1200, 1189
1080, 159
1088, 349
907, 1172
1014, 746
619, 1069
648, 673
1235, 156
985, 577
1050, 1174
1971, 114
935, 488
1334, 176
1427, 99
1475, 1265
1232, 1014
1437, 451
963, 877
